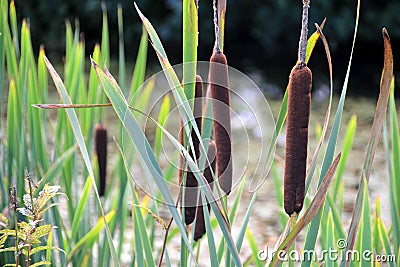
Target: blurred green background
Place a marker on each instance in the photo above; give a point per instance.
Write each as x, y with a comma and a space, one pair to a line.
261, 36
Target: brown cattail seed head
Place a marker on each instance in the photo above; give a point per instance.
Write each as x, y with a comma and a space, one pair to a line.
299, 101
222, 118
200, 227
100, 137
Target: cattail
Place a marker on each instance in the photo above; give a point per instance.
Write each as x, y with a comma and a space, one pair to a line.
200, 227
298, 114
222, 118
101, 151
190, 198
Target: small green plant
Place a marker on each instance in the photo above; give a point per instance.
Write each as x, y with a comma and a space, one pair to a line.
27, 236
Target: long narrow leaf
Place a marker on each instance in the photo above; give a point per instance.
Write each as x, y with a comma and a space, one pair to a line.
330, 150
81, 143
376, 130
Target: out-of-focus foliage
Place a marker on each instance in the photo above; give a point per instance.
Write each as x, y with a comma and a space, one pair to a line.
267, 30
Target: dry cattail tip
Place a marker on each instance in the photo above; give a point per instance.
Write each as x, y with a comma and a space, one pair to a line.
299, 99
222, 119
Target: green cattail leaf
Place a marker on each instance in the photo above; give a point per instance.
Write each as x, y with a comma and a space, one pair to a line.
146, 156
75, 226
244, 223
329, 153
65, 98
347, 145
9, 48
337, 220
12, 137
385, 241
140, 67
14, 26
142, 229
105, 38
277, 179
210, 236
190, 42
121, 53
254, 248
236, 201
376, 130
330, 241
313, 210
40, 263
394, 169
162, 118
365, 229
92, 235
2, 53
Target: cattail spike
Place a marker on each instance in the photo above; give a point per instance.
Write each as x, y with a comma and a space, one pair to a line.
299, 101
101, 151
222, 123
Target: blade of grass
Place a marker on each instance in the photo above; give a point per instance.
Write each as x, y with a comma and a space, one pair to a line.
145, 154
330, 150
140, 66
236, 202
105, 38
81, 143
121, 61
245, 222
337, 220
173, 81
14, 26
254, 248
376, 130
10, 50
347, 145
312, 210
2, 59
75, 226
92, 235
330, 238
190, 42
162, 117
210, 236
365, 228
384, 237
394, 169
12, 137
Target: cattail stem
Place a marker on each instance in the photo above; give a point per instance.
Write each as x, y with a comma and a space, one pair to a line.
222, 118
298, 114
304, 33
101, 151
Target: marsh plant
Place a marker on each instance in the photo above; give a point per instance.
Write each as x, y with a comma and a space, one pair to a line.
115, 223
27, 235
